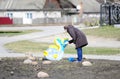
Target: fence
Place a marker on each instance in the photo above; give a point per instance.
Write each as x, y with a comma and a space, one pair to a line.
110, 14
5, 20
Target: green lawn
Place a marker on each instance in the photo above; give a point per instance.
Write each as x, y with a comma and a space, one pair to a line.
17, 32
28, 46
95, 50
105, 31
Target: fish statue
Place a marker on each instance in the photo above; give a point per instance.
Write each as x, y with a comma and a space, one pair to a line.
56, 51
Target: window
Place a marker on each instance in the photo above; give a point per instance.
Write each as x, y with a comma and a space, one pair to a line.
10, 15
29, 15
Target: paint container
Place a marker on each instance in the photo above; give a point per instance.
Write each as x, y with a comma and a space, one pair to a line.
71, 59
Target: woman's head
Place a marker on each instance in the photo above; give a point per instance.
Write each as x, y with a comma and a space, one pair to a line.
65, 27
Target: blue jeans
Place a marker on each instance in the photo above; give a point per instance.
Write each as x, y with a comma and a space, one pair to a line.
79, 53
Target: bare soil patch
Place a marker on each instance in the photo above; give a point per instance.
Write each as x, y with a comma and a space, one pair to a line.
13, 68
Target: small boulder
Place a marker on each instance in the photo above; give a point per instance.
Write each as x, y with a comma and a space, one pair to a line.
46, 62
31, 58
42, 74
27, 61
40, 59
12, 73
86, 63
34, 63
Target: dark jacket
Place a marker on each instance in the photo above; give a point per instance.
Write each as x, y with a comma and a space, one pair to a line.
78, 37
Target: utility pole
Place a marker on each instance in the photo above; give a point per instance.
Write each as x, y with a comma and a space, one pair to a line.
80, 10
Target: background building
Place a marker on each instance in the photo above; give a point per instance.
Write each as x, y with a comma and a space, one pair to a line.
46, 11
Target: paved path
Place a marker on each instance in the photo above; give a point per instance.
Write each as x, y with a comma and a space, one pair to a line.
48, 31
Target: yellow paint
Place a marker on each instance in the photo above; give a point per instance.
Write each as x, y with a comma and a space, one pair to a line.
54, 46
56, 43
55, 56
45, 53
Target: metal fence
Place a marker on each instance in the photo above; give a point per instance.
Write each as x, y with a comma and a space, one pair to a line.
110, 14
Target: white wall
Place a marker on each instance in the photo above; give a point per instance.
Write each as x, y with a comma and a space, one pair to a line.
28, 16
44, 14
1, 14
40, 14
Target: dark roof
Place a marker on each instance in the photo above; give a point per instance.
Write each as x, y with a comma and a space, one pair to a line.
88, 5
22, 4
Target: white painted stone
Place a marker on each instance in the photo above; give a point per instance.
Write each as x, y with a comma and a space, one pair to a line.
27, 61
34, 63
12, 73
31, 58
86, 63
42, 74
46, 62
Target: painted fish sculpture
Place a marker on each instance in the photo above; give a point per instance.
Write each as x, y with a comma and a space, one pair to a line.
56, 51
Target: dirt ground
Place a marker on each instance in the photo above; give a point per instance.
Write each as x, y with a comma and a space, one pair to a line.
13, 68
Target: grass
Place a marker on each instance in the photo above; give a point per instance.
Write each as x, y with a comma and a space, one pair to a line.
95, 50
105, 31
16, 32
28, 46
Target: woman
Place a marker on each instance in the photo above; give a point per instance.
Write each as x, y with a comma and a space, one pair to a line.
78, 38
